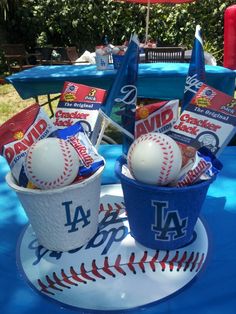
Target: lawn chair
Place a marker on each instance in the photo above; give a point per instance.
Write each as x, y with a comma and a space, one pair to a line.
66, 55
45, 53
164, 54
72, 54
18, 59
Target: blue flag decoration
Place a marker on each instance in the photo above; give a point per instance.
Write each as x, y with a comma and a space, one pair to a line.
196, 73
123, 94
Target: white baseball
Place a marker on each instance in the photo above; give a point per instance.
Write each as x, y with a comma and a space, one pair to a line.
154, 158
51, 163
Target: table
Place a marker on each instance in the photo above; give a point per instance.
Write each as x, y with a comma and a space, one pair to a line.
212, 292
155, 80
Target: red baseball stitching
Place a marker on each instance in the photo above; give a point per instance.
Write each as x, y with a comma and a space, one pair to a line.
82, 276
116, 207
68, 164
168, 157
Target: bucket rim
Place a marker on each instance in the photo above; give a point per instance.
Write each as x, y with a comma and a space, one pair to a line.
122, 160
19, 189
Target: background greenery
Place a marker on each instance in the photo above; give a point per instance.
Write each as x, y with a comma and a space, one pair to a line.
84, 23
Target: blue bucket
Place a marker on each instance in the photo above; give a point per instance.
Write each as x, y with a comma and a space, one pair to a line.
161, 218
117, 60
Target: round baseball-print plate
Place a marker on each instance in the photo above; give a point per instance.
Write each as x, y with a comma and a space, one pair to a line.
112, 271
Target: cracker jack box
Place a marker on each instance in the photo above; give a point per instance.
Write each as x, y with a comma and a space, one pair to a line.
79, 103
157, 117
209, 120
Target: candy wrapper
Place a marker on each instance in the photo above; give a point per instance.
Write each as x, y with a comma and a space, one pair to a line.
157, 117
19, 133
90, 160
204, 166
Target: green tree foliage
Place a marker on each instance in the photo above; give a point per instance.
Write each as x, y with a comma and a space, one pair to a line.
84, 23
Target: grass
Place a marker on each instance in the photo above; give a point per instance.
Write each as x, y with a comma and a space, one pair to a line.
11, 103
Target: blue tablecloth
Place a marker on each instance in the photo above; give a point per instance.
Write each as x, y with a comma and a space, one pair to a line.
155, 80
213, 291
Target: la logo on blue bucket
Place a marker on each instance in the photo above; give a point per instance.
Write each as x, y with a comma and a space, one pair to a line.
168, 225
161, 218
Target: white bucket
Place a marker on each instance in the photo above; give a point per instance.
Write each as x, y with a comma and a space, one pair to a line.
65, 218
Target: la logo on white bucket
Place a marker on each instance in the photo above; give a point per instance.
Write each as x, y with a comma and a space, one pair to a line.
65, 218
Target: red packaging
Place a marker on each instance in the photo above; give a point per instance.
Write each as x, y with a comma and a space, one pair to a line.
79, 103
19, 133
157, 117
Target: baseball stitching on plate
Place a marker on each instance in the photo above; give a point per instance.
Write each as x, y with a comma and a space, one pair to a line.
111, 208
153, 260
74, 277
